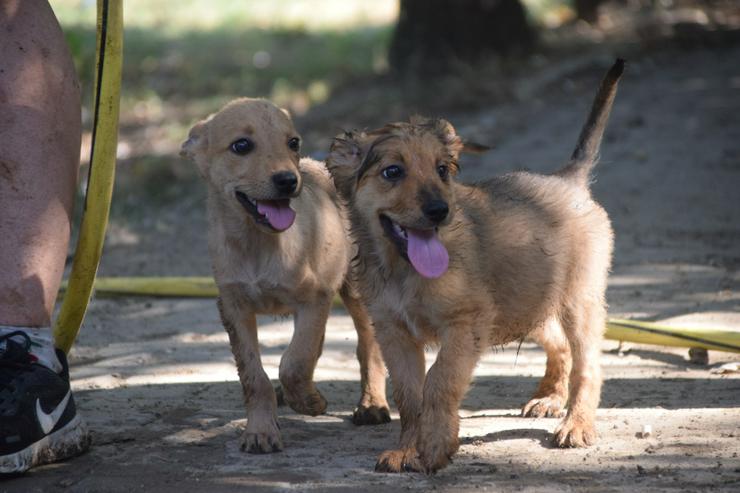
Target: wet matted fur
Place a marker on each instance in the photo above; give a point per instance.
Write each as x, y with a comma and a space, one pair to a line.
279, 245
468, 267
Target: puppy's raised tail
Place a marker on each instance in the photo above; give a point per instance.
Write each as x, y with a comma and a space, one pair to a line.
586, 153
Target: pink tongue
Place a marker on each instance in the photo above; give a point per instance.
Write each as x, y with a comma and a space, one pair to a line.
427, 254
278, 213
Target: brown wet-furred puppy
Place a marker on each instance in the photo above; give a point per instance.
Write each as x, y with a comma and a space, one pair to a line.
467, 267
279, 245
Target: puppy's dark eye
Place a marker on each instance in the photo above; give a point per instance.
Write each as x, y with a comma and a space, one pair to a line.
242, 147
294, 144
444, 171
393, 172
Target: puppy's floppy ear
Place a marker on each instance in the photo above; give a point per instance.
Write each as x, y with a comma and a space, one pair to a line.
197, 141
474, 147
345, 156
195, 146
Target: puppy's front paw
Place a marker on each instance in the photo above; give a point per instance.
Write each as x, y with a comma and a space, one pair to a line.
574, 432
550, 406
437, 440
261, 439
371, 415
436, 451
402, 460
309, 402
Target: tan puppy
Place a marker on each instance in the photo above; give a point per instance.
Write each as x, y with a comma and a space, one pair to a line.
279, 245
472, 266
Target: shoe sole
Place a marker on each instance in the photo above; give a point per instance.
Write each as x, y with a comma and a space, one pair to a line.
70, 440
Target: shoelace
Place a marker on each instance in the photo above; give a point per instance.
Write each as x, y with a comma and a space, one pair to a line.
15, 356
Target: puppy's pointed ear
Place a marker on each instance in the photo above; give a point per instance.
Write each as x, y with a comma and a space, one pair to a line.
345, 156
195, 146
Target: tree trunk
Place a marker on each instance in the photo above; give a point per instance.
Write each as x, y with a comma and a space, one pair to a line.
435, 35
588, 10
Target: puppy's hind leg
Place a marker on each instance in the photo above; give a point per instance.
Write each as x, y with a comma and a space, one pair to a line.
261, 434
373, 406
299, 360
583, 328
552, 393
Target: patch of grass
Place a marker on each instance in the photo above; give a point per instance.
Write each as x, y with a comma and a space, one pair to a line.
294, 52
188, 15
280, 64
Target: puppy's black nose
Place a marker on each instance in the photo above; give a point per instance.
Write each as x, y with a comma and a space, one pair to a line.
436, 210
285, 182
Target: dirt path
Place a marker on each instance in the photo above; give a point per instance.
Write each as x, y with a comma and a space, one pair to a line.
156, 382
166, 416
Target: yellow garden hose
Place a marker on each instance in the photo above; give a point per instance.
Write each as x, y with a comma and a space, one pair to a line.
109, 51
616, 329
662, 335
185, 287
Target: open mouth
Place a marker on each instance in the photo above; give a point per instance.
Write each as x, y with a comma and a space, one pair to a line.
274, 214
421, 247
397, 235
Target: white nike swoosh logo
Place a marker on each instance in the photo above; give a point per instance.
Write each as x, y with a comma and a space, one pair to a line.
49, 421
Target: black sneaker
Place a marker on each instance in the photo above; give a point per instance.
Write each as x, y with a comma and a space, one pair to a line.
38, 419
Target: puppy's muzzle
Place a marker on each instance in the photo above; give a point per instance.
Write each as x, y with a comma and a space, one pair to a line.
286, 183
436, 210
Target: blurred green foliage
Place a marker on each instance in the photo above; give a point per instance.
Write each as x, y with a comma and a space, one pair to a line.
195, 50
292, 51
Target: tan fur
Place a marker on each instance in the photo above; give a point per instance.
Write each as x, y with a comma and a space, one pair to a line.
529, 257
260, 271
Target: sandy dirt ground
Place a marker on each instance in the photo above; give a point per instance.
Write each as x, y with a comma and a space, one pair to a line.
156, 383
